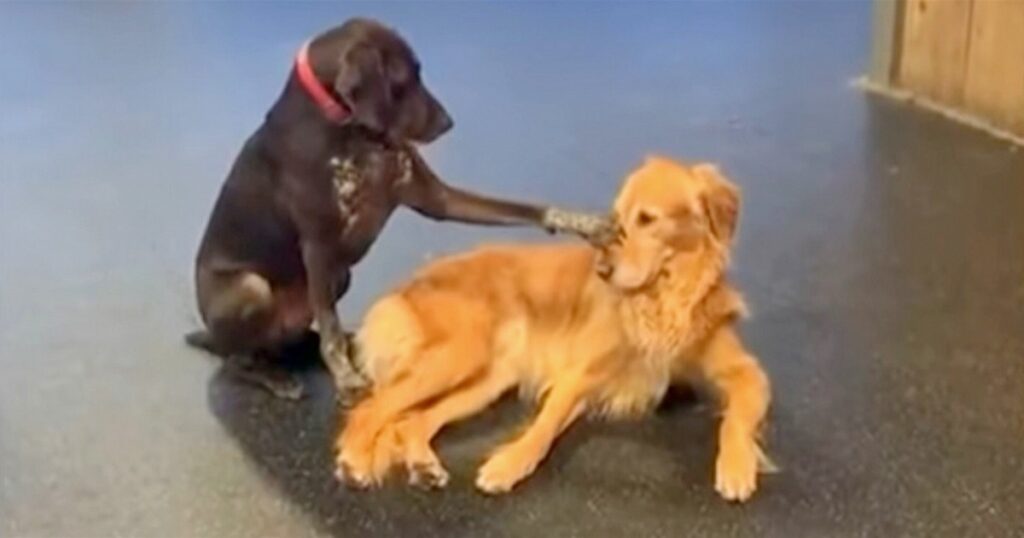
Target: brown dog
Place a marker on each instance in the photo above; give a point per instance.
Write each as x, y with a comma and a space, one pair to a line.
582, 333
311, 190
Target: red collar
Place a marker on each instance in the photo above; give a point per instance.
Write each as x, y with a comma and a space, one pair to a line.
331, 108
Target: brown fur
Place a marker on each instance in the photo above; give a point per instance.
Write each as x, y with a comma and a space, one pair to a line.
606, 342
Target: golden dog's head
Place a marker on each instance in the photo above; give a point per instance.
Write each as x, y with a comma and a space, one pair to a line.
668, 213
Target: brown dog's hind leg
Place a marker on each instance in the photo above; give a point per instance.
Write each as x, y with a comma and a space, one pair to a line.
240, 311
260, 369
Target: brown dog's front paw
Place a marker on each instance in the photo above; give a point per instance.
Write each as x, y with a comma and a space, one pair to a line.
347, 380
334, 349
603, 232
504, 470
351, 389
736, 471
599, 230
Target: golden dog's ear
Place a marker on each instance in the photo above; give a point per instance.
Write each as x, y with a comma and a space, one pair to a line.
721, 202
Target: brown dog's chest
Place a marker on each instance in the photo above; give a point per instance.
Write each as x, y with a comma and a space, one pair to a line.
362, 196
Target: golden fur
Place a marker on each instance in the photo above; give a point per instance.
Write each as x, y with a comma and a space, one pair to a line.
583, 332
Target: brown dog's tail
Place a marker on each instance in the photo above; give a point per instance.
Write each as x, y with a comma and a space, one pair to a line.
204, 341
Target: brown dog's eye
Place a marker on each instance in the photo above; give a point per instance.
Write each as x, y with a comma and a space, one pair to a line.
644, 218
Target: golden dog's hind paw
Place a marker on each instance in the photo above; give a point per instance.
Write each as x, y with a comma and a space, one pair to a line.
427, 475
354, 474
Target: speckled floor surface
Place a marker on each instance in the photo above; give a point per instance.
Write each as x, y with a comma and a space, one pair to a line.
881, 248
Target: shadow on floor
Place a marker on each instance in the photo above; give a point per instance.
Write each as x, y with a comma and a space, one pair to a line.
290, 444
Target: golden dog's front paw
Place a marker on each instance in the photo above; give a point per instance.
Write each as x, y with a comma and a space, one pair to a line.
736, 471
504, 470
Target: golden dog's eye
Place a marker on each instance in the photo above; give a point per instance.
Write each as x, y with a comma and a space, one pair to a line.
644, 218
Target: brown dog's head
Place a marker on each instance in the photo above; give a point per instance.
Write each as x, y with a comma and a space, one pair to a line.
668, 212
378, 78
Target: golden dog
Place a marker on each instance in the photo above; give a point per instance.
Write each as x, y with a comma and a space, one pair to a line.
584, 332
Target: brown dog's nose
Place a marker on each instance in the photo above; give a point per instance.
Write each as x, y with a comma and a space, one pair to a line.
443, 123
438, 123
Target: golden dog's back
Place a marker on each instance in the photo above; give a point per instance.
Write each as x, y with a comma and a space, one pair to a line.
520, 299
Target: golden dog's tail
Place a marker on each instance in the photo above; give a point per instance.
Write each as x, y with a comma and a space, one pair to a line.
391, 333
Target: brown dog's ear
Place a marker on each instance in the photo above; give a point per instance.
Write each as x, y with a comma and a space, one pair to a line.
721, 202
363, 84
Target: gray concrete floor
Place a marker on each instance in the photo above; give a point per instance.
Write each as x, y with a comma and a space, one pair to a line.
882, 249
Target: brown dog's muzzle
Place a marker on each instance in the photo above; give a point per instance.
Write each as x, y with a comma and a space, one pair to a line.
427, 120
